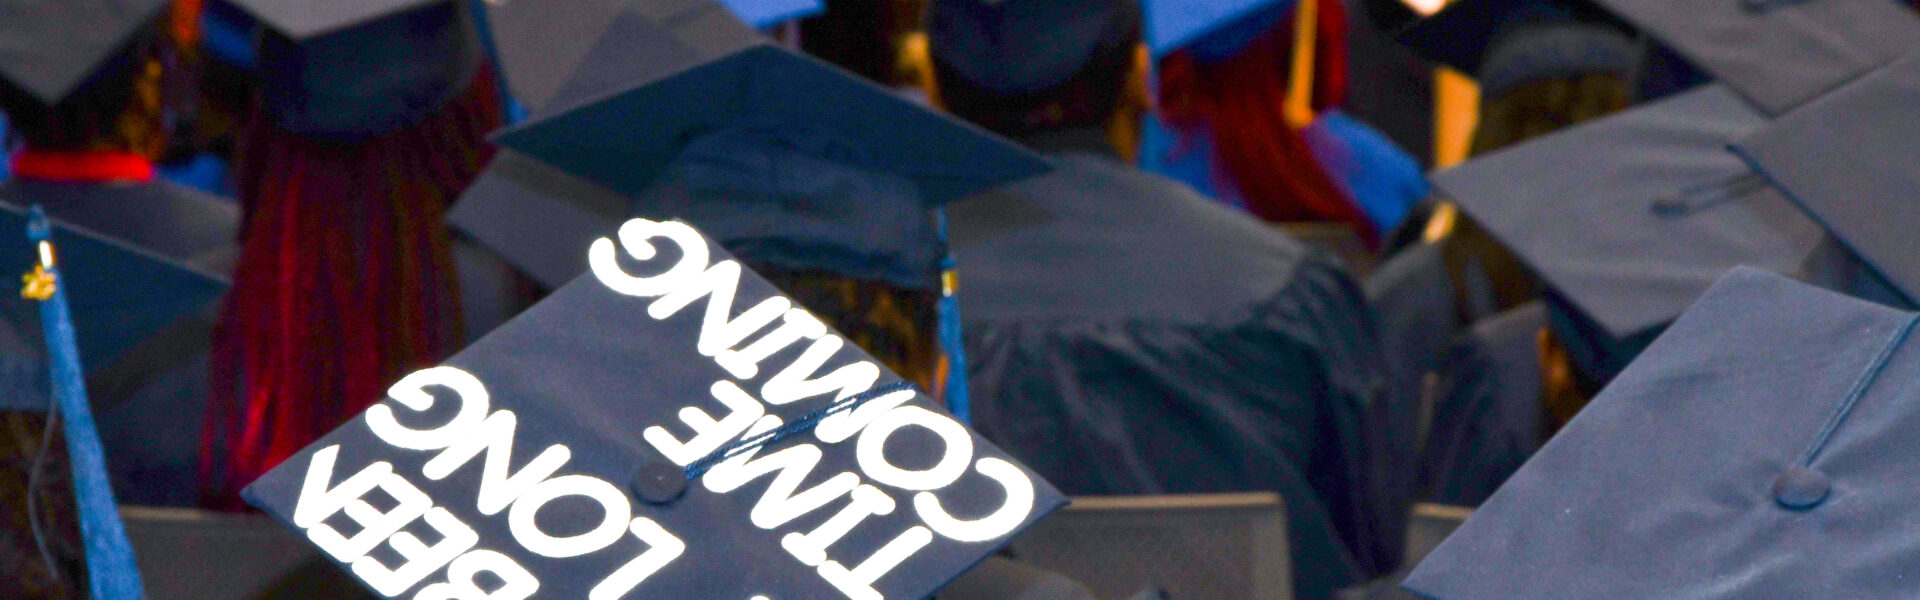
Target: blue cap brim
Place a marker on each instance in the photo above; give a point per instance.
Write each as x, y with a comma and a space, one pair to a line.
762, 14
1173, 24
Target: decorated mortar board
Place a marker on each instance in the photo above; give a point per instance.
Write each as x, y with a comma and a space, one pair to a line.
1629, 218
1505, 44
1846, 159
1778, 54
1745, 455
780, 157
354, 70
631, 437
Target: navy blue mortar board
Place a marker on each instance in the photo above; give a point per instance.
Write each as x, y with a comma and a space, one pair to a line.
1778, 54
632, 437
352, 70
783, 158
1530, 38
1015, 47
119, 294
1848, 159
49, 49
1761, 449
1629, 218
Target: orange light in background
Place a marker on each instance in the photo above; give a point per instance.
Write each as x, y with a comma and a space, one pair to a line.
1424, 7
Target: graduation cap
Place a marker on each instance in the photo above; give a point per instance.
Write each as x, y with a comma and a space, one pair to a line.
761, 145
767, 13
355, 69
48, 49
1174, 24
1778, 54
1847, 158
1631, 217
541, 43
1015, 47
119, 294
1761, 448
631, 436
1506, 43
308, 19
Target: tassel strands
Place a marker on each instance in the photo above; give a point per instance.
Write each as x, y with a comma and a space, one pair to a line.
346, 281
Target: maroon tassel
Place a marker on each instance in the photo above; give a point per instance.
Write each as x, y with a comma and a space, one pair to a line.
345, 283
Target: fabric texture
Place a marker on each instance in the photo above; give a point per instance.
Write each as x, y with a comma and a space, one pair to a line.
1128, 336
347, 277
1773, 418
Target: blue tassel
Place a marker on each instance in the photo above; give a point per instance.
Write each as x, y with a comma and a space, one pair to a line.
110, 565
950, 339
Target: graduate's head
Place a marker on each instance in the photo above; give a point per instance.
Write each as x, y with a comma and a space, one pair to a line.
1027, 67
115, 107
864, 37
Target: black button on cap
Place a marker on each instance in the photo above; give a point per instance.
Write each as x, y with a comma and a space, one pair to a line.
1801, 488
659, 482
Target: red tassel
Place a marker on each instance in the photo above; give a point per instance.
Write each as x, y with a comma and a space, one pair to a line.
1240, 100
345, 283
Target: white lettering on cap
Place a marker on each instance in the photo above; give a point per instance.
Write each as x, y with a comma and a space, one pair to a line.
517, 583
956, 449
662, 548
411, 392
708, 434
418, 559
1011, 514
316, 503
615, 510
636, 235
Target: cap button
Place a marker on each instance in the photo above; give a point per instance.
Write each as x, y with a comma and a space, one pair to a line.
1801, 488
659, 482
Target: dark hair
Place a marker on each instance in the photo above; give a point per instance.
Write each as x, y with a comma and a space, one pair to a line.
898, 326
1088, 98
862, 36
96, 112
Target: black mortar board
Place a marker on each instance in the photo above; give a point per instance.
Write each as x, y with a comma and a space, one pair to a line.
48, 48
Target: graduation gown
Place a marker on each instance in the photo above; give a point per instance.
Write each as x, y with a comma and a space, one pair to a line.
1127, 335
150, 401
